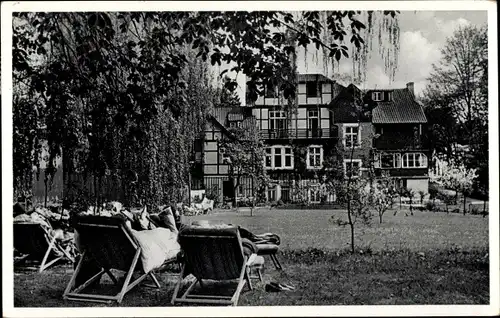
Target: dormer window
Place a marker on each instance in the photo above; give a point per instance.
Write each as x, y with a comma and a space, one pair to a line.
377, 96
382, 96
313, 89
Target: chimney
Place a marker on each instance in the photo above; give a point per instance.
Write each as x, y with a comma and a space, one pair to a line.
411, 87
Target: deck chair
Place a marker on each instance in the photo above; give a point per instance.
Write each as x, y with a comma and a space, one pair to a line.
111, 245
212, 254
37, 243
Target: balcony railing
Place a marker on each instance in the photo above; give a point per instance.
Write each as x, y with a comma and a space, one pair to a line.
298, 133
399, 142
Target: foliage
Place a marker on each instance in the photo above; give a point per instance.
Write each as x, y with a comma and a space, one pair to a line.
244, 153
384, 195
431, 206
121, 91
357, 194
410, 193
457, 177
212, 193
456, 100
421, 194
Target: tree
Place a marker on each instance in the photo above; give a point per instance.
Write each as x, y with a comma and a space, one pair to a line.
117, 86
410, 193
244, 153
458, 178
383, 196
357, 195
456, 99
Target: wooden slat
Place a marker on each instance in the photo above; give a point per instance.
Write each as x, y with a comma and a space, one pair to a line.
204, 301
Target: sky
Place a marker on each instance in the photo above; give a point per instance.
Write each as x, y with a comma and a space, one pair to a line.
422, 35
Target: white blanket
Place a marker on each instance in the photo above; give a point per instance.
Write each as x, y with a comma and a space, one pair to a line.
157, 245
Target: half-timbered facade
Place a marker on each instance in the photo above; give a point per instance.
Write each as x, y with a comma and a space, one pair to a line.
297, 141
388, 135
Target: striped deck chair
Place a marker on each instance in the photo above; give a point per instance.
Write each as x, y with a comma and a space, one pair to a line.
212, 254
108, 242
37, 243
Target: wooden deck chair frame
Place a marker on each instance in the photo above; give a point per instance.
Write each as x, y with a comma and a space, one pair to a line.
203, 236
123, 257
38, 241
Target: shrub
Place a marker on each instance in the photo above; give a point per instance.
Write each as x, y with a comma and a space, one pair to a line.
197, 199
475, 210
213, 194
431, 206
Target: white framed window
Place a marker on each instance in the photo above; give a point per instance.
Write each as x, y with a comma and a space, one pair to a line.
352, 167
414, 160
277, 120
377, 96
314, 157
388, 160
278, 157
352, 135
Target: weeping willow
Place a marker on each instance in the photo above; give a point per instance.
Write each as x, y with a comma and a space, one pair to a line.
381, 36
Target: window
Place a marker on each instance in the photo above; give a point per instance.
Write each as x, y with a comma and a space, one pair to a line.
352, 167
414, 160
390, 160
288, 157
352, 135
271, 194
312, 114
313, 122
278, 157
377, 96
314, 157
313, 89
277, 120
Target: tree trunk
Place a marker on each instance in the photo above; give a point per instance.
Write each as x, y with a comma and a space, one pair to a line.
351, 224
380, 217
465, 199
46, 192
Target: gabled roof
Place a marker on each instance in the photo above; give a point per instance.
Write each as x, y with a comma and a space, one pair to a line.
344, 105
402, 109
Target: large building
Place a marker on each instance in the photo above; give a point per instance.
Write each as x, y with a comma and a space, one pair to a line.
387, 135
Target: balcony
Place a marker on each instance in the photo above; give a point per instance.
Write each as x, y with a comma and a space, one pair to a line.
397, 142
320, 133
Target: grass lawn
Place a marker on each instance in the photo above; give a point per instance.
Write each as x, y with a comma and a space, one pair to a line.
301, 229
428, 258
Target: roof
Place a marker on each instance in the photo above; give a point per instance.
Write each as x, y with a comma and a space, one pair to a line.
343, 106
402, 109
314, 77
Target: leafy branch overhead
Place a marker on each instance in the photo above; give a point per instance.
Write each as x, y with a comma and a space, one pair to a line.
258, 44
109, 88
